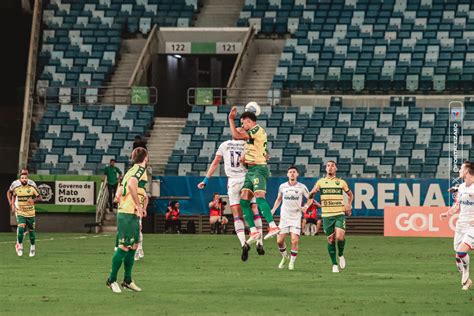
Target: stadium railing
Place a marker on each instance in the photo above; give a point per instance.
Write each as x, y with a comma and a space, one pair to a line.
95, 95
231, 96
102, 199
30, 84
144, 61
241, 64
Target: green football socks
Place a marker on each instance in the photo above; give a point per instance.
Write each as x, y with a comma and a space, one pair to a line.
248, 214
332, 253
128, 265
117, 260
340, 247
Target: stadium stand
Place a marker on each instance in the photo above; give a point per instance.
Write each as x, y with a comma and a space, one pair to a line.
81, 40
393, 141
80, 139
352, 46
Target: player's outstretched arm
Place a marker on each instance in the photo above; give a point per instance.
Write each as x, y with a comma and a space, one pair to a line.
311, 196
236, 134
452, 210
9, 197
277, 203
210, 171
348, 207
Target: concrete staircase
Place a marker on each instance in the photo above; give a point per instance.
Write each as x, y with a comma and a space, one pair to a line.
109, 224
219, 13
129, 55
259, 76
254, 78
162, 140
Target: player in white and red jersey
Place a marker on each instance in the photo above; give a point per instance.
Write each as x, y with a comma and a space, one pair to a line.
231, 151
291, 194
464, 235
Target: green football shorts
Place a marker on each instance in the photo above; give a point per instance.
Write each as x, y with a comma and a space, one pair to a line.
256, 178
128, 229
330, 223
30, 222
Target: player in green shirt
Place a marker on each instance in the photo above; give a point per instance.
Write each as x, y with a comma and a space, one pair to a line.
113, 175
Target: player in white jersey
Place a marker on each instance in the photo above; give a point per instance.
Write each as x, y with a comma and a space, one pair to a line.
231, 151
291, 193
464, 235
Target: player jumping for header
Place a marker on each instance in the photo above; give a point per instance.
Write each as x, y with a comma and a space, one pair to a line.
231, 151
255, 184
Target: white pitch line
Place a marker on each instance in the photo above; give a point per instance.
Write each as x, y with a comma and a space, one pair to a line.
52, 239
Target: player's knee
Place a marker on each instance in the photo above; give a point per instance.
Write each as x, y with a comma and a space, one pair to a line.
123, 247
260, 194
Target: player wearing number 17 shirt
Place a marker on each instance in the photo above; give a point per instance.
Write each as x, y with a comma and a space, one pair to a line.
231, 151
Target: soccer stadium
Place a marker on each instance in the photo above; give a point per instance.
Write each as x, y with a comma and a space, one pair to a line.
237, 157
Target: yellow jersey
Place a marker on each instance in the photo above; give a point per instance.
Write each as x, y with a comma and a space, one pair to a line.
256, 146
126, 204
22, 194
332, 198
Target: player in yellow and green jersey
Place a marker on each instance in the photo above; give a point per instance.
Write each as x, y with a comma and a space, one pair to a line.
24, 197
333, 211
255, 183
131, 208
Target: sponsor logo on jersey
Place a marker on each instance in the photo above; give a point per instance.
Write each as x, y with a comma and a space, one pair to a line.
466, 202
331, 191
291, 198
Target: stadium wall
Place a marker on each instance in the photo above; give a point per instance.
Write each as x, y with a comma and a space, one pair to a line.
63, 222
371, 196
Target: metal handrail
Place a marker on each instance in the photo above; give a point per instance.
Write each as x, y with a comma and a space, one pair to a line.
120, 95
141, 64
101, 204
233, 75
29, 85
222, 95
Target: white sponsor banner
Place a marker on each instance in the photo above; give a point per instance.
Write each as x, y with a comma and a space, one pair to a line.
75, 192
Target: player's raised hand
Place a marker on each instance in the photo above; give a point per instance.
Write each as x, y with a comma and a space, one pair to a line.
201, 185
233, 113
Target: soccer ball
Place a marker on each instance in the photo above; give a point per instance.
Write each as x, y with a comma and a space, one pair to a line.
253, 107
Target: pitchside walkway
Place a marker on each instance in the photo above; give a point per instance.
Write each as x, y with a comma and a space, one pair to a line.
355, 225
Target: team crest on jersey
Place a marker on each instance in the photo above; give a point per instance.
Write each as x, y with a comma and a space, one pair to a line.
256, 181
46, 192
337, 182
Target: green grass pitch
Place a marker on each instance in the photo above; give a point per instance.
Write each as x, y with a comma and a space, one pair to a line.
203, 275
